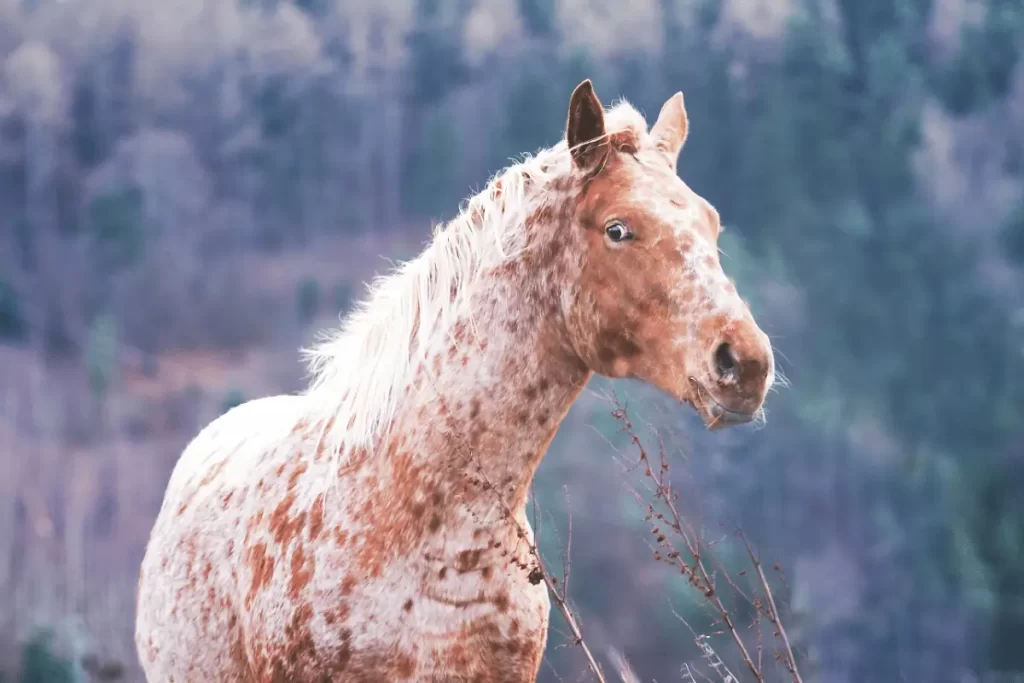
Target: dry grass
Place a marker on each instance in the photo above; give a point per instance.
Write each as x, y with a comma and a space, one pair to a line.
74, 519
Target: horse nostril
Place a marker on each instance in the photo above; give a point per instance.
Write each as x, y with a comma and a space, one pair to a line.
725, 360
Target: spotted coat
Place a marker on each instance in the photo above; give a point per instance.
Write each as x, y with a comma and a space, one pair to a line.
374, 528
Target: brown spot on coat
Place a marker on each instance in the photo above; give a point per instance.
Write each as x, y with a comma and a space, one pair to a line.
316, 517
262, 566
282, 526
299, 470
467, 560
303, 567
214, 471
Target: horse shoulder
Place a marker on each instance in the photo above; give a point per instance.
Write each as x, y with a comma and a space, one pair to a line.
223, 456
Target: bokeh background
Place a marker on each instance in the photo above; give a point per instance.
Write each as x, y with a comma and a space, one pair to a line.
189, 190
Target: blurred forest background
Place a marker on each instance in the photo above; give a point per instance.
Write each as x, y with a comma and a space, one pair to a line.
190, 189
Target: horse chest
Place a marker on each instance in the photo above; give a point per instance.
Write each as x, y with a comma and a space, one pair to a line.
447, 625
361, 583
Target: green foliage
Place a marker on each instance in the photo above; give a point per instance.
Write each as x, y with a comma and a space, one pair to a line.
307, 299
435, 56
990, 545
40, 664
533, 105
342, 296
13, 326
316, 8
86, 138
810, 161
234, 398
430, 188
101, 353
849, 189
981, 72
276, 106
118, 228
1012, 236
25, 243
538, 17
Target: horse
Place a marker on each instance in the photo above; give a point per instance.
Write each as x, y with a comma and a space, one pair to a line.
372, 527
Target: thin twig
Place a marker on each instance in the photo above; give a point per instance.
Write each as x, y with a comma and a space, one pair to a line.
697, 570
560, 598
698, 573
774, 615
567, 556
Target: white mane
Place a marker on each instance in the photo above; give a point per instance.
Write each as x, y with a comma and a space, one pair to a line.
360, 370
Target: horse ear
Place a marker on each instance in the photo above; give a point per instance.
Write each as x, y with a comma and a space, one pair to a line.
671, 128
585, 130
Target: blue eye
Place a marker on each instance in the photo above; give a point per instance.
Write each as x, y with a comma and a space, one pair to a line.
617, 232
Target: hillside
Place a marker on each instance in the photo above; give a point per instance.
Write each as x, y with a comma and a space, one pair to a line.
189, 192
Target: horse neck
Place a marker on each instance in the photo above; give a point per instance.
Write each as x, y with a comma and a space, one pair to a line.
494, 389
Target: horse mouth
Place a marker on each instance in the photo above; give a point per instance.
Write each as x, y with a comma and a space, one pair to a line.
715, 415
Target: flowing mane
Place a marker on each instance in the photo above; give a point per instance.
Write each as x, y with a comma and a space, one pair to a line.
359, 370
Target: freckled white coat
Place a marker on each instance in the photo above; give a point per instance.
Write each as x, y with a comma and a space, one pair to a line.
374, 527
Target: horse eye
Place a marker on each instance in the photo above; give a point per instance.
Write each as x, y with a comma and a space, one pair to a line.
617, 232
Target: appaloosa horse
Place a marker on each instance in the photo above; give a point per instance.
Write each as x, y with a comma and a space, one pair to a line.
369, 529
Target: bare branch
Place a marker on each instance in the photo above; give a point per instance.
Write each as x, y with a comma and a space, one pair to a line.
698, 562
696, 570
773, 614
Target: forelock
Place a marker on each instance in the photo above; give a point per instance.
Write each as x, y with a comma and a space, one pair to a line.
626, 127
